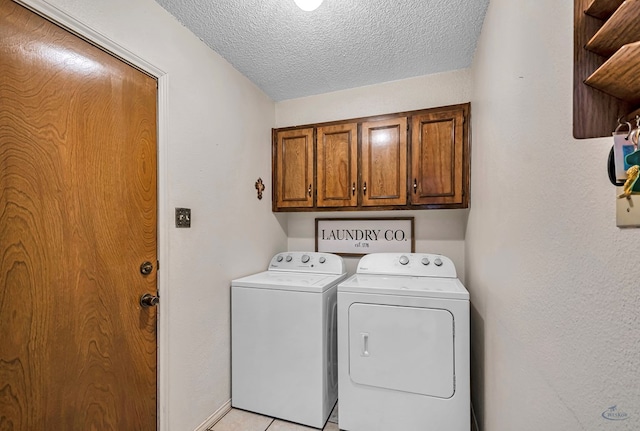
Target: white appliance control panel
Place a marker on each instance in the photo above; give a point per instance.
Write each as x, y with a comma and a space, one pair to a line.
411, 264
299, 261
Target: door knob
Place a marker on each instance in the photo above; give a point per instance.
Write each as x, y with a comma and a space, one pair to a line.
148, 300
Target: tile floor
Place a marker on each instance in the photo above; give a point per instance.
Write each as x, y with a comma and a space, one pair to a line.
240, 420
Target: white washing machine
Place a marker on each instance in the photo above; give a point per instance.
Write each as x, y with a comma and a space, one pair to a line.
284, 338
403, 345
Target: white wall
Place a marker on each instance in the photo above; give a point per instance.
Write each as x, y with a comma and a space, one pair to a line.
436, 231
554, 284
554, 288
218, 145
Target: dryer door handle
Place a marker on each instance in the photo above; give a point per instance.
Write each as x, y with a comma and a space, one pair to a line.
364, 346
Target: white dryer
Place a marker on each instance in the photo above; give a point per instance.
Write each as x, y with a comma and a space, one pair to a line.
284, 338
403, 345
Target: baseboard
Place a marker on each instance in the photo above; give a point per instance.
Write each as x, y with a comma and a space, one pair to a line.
214, 418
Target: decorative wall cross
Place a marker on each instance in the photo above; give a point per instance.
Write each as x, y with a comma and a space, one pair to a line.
259, 187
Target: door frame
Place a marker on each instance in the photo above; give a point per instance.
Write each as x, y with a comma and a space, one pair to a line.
91, 35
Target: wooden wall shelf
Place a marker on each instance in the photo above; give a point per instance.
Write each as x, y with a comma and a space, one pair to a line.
620, 29
602, 9
619, 75
604, 89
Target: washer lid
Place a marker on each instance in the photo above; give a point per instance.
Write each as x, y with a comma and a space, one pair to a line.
293, 281
431, 287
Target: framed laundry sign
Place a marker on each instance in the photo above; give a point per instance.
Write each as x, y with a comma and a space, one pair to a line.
360, 236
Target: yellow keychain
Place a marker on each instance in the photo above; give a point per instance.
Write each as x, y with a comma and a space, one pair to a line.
632, 177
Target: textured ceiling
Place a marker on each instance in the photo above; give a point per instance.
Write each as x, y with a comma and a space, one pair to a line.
290, 53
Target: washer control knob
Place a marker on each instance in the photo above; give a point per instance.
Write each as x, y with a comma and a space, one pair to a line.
404, 260
438, 261
425, 261
322, 259
289, 258
305, 258
279, 258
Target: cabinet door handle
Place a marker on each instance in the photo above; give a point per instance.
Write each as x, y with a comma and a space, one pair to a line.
353, 189
309, 190
415, 186
364, 189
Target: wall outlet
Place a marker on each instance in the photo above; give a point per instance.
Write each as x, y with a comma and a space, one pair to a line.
627, 210
183, 217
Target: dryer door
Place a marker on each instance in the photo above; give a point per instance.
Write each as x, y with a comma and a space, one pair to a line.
402, 348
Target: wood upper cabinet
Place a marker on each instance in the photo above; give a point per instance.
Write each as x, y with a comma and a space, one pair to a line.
337, 165
384, 162
437, 157
293, 170
407, 160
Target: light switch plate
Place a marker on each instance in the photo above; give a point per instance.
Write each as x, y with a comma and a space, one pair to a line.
183, 217
627, 210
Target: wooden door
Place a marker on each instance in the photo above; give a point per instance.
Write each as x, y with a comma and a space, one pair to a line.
384, 162
77, 219
337, 165
293, 181
437, 149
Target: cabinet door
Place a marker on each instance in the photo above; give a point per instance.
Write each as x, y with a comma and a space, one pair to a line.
337, 154
293, 181
437, 150
384, 162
